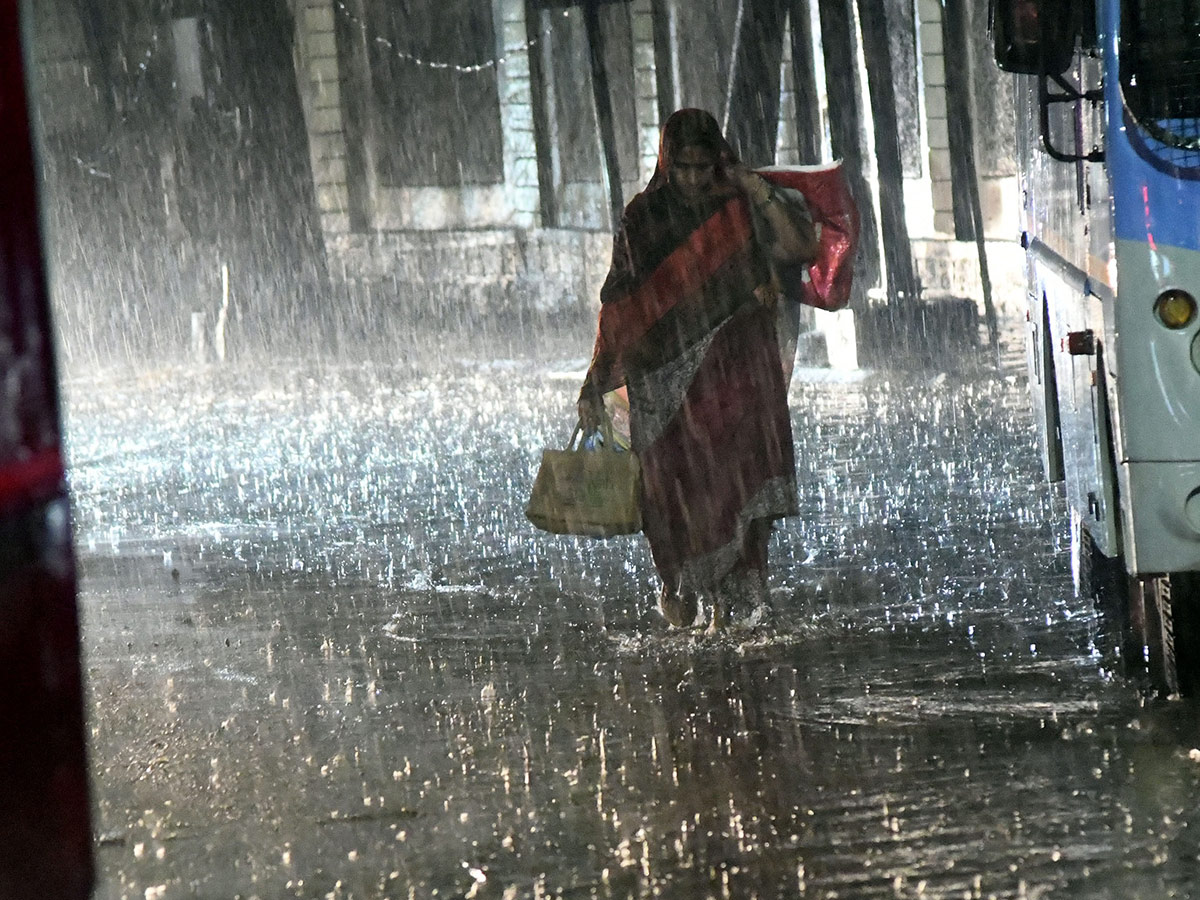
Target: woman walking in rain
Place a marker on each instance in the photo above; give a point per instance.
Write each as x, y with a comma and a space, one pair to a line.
687, 325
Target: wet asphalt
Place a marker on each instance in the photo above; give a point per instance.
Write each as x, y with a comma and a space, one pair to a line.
327, 657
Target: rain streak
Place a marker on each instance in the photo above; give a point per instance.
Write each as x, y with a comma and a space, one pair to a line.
325, 278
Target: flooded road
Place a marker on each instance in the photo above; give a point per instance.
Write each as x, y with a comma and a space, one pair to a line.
327, 656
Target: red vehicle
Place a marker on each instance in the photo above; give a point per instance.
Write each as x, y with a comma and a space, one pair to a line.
45, 832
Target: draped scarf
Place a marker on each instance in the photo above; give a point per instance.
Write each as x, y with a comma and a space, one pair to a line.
682, 329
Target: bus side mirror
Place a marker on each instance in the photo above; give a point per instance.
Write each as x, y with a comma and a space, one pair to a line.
1032, 37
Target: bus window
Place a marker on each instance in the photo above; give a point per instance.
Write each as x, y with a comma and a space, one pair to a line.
1160, 70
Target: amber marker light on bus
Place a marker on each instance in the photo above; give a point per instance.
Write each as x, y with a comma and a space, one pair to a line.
1175, 308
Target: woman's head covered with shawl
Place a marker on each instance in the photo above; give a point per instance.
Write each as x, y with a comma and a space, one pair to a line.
690, 128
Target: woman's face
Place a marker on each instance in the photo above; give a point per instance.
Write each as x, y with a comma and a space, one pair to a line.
694, 173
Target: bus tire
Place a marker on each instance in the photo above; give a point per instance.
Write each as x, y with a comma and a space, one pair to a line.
1116, 596
1173, 602
1155, 635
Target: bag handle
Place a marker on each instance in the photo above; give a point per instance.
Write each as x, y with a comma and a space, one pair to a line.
606, 433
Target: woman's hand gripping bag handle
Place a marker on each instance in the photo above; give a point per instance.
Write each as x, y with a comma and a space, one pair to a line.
831, 275
591, 493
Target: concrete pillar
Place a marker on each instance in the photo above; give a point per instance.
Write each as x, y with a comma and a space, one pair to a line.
645, 81
319, 77
189, 67
516, 113
786, 151
933, 68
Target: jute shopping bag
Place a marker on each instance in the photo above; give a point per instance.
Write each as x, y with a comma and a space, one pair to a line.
593, 493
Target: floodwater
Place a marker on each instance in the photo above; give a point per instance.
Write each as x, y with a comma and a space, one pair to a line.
327, 657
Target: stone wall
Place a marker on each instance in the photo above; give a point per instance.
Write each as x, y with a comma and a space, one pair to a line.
320, 84
937, 129
485, 246
998, 190
646, 84
477, 246
543, 271
951, 269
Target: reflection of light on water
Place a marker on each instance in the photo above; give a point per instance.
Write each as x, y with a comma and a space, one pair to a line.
435, 674
739, 639
365, 472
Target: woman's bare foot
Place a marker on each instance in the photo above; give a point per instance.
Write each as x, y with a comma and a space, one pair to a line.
678, 609
720, 615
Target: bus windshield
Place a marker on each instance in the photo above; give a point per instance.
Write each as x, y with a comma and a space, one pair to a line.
1160, 69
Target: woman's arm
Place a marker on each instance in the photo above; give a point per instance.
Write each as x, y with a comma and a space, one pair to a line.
599, 378
795, 237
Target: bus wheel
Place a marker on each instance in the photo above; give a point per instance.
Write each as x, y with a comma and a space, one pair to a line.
1154, 634
1172, 605
1117, 598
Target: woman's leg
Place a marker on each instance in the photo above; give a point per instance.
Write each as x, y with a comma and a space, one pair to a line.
754, 557
754, 546
678, 606
744, 589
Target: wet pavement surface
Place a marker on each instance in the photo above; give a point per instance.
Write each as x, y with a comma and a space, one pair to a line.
327, 656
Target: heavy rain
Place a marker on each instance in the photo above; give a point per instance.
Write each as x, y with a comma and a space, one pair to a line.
319, 310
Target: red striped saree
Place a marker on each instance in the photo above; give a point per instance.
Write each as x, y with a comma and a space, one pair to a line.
682, 328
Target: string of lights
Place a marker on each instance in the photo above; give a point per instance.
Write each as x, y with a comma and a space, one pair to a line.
91, 162
429, 63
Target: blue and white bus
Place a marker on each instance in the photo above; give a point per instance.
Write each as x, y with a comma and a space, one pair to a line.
1109, 148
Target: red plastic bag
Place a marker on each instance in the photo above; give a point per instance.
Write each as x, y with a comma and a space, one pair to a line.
828, 194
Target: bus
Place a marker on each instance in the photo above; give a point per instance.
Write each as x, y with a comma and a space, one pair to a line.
1108, 124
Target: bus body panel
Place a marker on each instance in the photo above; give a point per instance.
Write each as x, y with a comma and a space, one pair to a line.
1082, 401
1156, 223
1162, 537
1043, 388
1050, 189
1104, 241
1071, 272
1067, 228
1066, 205
1159, 388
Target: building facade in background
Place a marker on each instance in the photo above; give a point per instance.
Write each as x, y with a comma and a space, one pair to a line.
459, 150
463, 158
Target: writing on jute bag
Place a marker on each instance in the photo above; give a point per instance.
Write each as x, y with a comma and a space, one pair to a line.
593, 493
